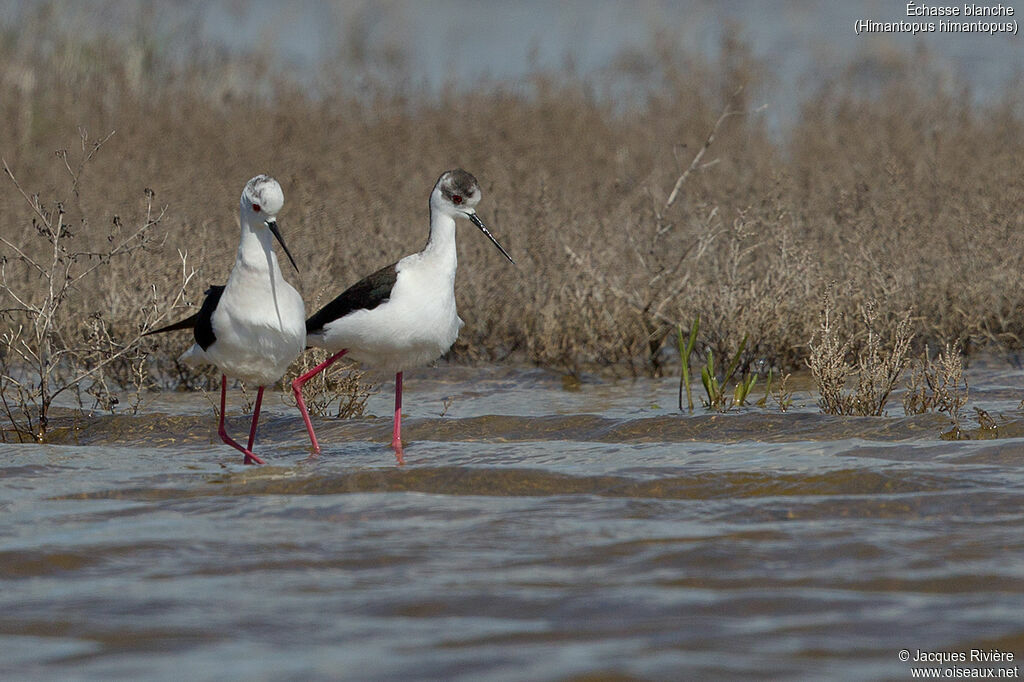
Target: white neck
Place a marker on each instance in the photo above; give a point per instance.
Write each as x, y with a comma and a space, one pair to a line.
256, 270
441, 245
256, 249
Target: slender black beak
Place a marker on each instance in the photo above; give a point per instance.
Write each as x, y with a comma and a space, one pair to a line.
483, 228
272, 224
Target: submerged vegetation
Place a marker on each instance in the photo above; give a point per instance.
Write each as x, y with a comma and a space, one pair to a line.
713, 377
937, 384
627, 218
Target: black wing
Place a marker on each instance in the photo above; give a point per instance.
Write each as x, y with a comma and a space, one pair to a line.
187, 323
367, 293
201, 322
204, 324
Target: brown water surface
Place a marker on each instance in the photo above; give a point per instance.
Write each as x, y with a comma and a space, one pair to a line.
534, 533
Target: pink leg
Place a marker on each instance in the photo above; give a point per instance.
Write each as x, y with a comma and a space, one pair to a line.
396, 435
250, 458
297, 389
255, 418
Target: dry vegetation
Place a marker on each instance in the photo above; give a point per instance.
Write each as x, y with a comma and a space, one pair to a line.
57, 342
338, 391
906, 194
937, 384
880, 359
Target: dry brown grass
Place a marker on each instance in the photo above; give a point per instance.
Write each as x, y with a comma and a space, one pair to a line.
908, 195
339, 391
937, 385
872, 357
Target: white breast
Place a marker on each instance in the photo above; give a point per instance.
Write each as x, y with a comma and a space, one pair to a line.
260, 328
417, 325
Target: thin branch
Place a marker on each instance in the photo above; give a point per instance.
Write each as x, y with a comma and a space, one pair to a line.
25, 258
128, 346
36, 208
695, 163
118, 250
76, 174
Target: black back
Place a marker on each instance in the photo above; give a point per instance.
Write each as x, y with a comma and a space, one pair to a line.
204, 319
366, 294
201, 323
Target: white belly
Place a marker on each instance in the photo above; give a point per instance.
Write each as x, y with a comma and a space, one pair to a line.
417, 325
259, 332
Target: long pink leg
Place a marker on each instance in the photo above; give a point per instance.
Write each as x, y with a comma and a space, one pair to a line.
250, 458
396, 435
255, 417
297, 389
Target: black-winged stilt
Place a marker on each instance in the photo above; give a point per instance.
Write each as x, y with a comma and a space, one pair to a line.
404, 314
253, 327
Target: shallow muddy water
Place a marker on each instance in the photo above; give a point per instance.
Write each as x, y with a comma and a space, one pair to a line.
535, 533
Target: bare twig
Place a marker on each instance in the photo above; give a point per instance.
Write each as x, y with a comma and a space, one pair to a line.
695, 163
57, 354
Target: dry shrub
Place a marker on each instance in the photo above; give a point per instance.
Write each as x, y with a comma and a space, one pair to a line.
881, 356
758, 287
937, 385
782, 395
340, 385
909, 193
58, 342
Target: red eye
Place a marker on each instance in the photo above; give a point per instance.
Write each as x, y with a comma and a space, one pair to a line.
456, 199
256, 207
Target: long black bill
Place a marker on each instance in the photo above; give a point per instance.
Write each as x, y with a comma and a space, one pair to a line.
272, 224
483, 228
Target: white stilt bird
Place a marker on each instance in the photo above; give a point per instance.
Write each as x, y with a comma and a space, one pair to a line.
253, 327
404, 314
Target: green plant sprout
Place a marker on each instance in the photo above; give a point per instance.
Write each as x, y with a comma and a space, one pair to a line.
717, 390
685, 348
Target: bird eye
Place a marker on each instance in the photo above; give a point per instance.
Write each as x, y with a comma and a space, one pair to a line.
456, 199
256, 207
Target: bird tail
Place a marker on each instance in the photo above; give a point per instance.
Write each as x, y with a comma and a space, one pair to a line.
187, 323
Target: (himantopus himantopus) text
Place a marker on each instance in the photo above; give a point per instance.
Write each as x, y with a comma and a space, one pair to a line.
404, 314
253, 327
